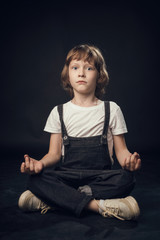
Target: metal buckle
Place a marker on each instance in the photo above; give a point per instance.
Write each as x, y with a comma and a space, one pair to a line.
65, 140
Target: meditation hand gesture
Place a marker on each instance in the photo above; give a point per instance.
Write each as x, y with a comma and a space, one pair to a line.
31, 166
133, 162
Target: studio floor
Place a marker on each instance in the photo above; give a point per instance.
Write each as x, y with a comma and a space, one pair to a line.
60, 224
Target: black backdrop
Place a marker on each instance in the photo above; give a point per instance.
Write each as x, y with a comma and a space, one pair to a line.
35, 38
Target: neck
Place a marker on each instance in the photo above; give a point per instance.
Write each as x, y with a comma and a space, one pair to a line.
85, 101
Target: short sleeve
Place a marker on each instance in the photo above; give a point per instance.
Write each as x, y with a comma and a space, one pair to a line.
117, 122
53, 123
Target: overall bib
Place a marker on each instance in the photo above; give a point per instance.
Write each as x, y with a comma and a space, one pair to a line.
84, 173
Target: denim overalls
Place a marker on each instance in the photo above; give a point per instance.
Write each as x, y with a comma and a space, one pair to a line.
84, 172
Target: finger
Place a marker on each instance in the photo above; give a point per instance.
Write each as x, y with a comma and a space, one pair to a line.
133, 162
31, 165
128, 160
136, 155
27, 162
37, 169
138, 164
22, 168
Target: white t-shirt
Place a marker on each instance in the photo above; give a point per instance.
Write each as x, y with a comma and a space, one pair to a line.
87, 121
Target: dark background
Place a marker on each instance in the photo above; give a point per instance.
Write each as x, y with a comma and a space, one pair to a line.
35, 39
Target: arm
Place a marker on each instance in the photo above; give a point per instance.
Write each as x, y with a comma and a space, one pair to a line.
126, 159
32, 166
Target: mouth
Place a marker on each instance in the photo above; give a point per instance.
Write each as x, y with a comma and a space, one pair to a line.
81, 82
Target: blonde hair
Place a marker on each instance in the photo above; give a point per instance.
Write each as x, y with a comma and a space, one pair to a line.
88, 53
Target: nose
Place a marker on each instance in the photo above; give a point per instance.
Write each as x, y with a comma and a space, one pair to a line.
81, 73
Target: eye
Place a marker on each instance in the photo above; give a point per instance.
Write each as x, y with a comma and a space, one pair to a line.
75, 68
90, 68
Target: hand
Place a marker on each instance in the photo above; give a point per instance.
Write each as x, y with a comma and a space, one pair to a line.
133, 162
31, 166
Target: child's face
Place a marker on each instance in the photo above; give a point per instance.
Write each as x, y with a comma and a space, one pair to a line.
83, 76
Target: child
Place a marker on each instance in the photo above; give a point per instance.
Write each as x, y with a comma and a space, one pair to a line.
76, 173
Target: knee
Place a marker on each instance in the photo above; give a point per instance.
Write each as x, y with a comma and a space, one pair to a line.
128, 177
86, 189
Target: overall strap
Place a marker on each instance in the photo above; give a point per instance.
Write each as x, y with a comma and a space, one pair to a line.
63, 128
106, 122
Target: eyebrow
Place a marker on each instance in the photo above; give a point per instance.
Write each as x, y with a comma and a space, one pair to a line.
86, 64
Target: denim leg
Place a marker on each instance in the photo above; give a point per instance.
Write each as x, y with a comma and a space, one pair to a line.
112, 184
57, 188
